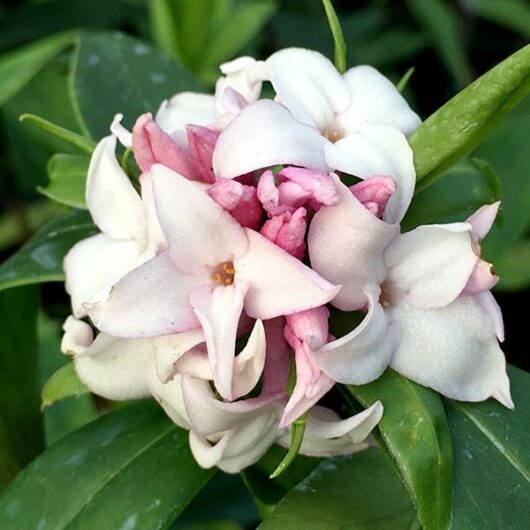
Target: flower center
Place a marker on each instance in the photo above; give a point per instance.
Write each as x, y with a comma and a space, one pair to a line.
224, 273
332, 135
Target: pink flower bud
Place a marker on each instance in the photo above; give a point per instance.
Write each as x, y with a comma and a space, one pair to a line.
201, 142
374, 192
287, 231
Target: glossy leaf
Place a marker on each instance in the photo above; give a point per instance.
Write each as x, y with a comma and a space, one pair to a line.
19, 377
359, 492
67, 175
20, 66
440, 23
513, 267
131, 468
163, 27
464, 121
116, 73
492, 462
40, 259
466, 187
83, 144
62, 384
414, 430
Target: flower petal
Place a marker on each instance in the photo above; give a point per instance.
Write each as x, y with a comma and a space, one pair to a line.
377, 150
95, 264
375, 99
169, 396
308, 84
430, 266
115, 206
116, 368
279, 284
170, 348
183, 108
218, 310
482, 220
363, 354
151, 300
77, 337
199, 233
346, 244
266, 134
248, 365
452, 349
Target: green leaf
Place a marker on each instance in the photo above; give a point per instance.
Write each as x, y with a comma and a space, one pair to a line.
404, 81
464, 121
338, 36
415, 431
240, 27
62, 384
17, 68
358, 492
163, 27
513, 14
492, 462
440, 24
467, 186
68, 175
513, 267
115, 73
72, 138
19, 377
40, 259
297, 437
132, 468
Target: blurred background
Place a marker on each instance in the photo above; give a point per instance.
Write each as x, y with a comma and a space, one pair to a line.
448, 43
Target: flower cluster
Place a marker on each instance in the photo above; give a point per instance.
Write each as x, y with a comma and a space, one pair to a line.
211, 282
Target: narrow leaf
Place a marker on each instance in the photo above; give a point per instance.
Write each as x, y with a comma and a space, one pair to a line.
513, 14
68, 174
415, 431
466, 187
19, 67
403, 82
81, 142
359, 492
131, 468
492, 462
297, 437
513, 267
40, 259
338, 36
62, 384
464, 121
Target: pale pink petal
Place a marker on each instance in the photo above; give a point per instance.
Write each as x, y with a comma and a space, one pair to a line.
266, 134
430, 266
200, 234
310, 326
238, 199
279, 284
362, 355
320, 186
184, 108
374, 193
346, 244
151, 300
95, 264
453, 350
269, 195
116, 368
375, 99
311, 382
208, 454
195, 363
77, 337
151, 145
218, 311
115, 206
308, 84
482, 220
201, 143
121, 133
169, 396
248, 365
377, 150
155, 236
492, 309
170, 348
483, 278
288, 231
208, 415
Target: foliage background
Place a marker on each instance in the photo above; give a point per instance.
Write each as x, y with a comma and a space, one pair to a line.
449, 43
